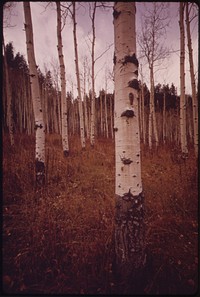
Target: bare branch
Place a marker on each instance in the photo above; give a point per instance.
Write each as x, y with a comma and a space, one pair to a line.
104, 52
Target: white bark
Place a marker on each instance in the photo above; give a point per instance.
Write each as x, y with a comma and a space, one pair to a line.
92, 131
35, 94
129, 240
101, 112
111, 116
64, 123
164, 119
182, 82
106, 112
193, 84
80, 106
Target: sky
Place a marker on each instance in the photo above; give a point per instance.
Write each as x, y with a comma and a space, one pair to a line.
44, 21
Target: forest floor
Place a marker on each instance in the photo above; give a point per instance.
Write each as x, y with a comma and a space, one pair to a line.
64, 243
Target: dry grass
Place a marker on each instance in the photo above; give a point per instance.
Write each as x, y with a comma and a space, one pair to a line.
64, 243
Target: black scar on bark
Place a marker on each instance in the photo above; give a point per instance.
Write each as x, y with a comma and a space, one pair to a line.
134, 84
114, 59
136, 72
126, 161
38, 126
116, 14
66, 153
129, 113
115, 129
131, 98
131, 59
40, 173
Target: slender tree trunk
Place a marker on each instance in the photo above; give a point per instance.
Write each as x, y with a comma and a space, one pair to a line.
101, 112
106, 114
182, 82
64, 125
193, 84
164, 118
111, 116
9, 101
153, 117
35, 94
129, 217
150, 127
85, 102
142, 108
82, 130
92, 132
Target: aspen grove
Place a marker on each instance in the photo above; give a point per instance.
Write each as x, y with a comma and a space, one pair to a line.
100, 148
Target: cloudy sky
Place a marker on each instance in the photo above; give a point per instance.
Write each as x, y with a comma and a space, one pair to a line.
45, 40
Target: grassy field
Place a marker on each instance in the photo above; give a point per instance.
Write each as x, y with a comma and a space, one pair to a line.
63, 243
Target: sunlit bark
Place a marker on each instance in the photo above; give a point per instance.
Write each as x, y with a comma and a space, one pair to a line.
129, 218
82, 129
64, 125
193, 84
35, 94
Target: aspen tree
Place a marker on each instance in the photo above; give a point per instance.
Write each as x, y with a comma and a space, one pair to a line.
129, 217
193, 84
164, 118
35, 94
85, 98
80, 106
142, 106
105, 104
154, 24
184, 149
92, 128
111, 116
64, 121
9, 102
101, 111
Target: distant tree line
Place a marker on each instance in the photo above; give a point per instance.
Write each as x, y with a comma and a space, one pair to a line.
165, 100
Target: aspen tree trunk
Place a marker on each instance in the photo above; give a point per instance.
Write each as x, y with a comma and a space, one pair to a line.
129, 217
142, 108
101, 113
182, 83
142, 105
106, 114
35, 94
9, 101
86, 116
64, 121
80, 106
150, 123
153, 118
193, 84
164, 118
85, 102
111, 116
92, 130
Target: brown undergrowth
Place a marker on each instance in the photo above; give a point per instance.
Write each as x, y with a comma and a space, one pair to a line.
64, 242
